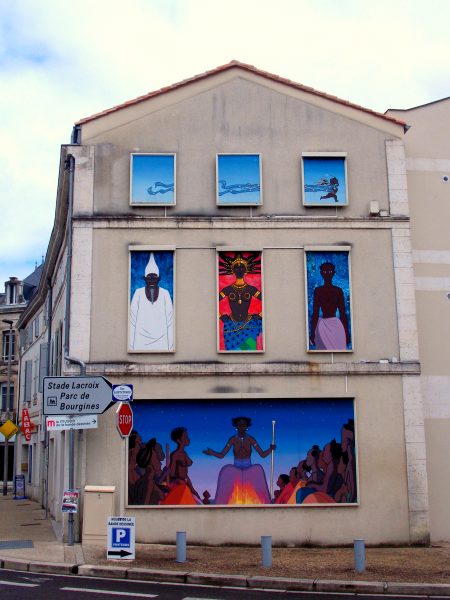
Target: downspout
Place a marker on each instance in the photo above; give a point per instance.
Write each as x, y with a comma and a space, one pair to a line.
70, 166
47, 370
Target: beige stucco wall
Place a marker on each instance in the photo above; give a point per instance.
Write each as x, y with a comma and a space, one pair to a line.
284, 292
239, 116
428, 161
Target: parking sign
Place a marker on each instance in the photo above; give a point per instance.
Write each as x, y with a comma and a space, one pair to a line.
121, 538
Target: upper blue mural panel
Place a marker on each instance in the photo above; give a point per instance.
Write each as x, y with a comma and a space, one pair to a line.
324, 180
153, 179
239, 179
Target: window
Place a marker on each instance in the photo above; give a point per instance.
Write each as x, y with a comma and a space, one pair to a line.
36, 326
28, 380
5, 347
4, 396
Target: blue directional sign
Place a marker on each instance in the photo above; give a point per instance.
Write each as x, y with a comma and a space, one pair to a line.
121, 538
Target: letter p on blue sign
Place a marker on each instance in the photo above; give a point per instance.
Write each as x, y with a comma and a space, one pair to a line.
121, 537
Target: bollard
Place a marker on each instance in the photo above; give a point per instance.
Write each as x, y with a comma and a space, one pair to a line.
181, 547
266, 546
360, 555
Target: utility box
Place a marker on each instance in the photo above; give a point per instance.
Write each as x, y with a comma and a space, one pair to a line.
98, 507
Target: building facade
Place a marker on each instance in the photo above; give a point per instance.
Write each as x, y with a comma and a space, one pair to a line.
237, 247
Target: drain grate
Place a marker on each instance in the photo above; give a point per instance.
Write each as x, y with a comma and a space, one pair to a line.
16, 544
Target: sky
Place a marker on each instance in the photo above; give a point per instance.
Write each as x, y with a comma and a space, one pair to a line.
61, 61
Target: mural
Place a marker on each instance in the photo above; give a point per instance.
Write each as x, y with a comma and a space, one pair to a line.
153, 179
324, 180
240, 324
328, 301
238, 179
242, 452
151, 317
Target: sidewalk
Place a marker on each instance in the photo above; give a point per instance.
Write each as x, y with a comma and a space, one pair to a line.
393, 570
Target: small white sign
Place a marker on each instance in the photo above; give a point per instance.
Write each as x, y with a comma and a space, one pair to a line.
121, 538
57, 423
122, 393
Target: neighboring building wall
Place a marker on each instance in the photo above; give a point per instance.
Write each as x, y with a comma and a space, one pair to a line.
427, 148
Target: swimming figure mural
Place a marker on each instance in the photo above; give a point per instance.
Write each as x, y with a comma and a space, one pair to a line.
324, 181
238, 179
152, 179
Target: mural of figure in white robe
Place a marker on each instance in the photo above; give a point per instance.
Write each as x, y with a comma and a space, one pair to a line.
151, 314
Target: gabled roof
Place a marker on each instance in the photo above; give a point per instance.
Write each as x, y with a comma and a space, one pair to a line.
249, 68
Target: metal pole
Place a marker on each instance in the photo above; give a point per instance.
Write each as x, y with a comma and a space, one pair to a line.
70, 524
266, 546
360, 555
272, 461
181, 547
8, 394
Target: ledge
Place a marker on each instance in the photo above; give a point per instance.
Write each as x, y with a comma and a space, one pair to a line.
260, 369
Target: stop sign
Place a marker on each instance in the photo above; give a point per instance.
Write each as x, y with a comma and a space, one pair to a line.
124, 419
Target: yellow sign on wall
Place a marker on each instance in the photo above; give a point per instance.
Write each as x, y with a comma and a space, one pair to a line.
8, 429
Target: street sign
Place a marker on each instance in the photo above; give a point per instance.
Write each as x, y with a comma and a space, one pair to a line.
122, 392
59, 423
83, 395
124, 419
8, 429
121, 538
26, 424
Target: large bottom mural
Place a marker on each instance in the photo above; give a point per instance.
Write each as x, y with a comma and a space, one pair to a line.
242, 452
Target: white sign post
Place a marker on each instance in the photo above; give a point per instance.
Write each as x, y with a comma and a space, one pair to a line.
82, 395
58, 423
121, 538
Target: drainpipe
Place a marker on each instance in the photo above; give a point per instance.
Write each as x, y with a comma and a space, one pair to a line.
70, 165
47, 370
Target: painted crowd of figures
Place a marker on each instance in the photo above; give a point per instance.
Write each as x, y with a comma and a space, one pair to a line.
325, 475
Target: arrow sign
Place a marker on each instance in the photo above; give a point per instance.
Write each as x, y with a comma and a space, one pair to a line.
118, 553
58, 423
85, 395
121, 538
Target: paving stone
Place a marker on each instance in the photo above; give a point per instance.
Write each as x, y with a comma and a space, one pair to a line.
280, 583
102, 571
217, 579
156, 575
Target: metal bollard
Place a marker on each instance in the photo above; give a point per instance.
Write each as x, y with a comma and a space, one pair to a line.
266, 546
181, 547
360, 555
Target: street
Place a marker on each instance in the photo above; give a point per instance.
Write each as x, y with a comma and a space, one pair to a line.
20, 585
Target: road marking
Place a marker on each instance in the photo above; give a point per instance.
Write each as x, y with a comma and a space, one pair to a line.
196, 598
111, 592
19, 584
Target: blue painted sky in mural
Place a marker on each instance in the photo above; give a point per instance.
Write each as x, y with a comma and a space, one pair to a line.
317, 174
341, 279
238, 179
139, 260
153, 179
299, 425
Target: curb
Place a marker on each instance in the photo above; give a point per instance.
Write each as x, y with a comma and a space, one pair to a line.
220, 580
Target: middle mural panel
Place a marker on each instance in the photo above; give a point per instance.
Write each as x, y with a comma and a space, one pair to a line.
240, 326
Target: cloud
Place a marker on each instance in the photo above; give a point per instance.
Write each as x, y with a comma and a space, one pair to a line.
61, 61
